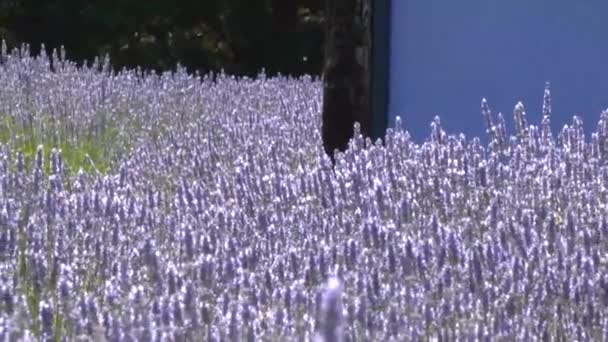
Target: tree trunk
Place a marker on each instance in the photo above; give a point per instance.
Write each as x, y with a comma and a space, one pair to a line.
346, 77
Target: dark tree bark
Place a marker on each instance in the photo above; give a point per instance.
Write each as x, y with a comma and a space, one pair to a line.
346, 77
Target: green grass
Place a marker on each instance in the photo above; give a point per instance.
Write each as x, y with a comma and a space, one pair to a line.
94, 148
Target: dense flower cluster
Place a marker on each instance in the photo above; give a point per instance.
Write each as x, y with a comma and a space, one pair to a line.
233, 225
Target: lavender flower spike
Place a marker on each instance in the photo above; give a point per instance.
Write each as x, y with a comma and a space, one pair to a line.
331, 323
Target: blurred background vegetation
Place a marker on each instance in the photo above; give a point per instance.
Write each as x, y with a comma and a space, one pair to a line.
239, 36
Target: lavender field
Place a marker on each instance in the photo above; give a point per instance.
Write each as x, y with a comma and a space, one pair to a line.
137, 207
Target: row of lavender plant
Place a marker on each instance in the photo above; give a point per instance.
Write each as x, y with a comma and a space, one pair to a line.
233, 225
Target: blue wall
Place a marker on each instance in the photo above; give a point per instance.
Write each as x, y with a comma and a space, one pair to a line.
447, 55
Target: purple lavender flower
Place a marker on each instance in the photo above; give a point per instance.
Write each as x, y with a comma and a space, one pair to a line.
257, 215
332, 320
8, 300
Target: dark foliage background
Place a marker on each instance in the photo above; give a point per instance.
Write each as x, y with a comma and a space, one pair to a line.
239, 36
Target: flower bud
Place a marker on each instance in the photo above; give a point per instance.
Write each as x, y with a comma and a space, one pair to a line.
331, 321
46, 319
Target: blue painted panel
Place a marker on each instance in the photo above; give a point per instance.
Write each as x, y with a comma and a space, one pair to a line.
446, 55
